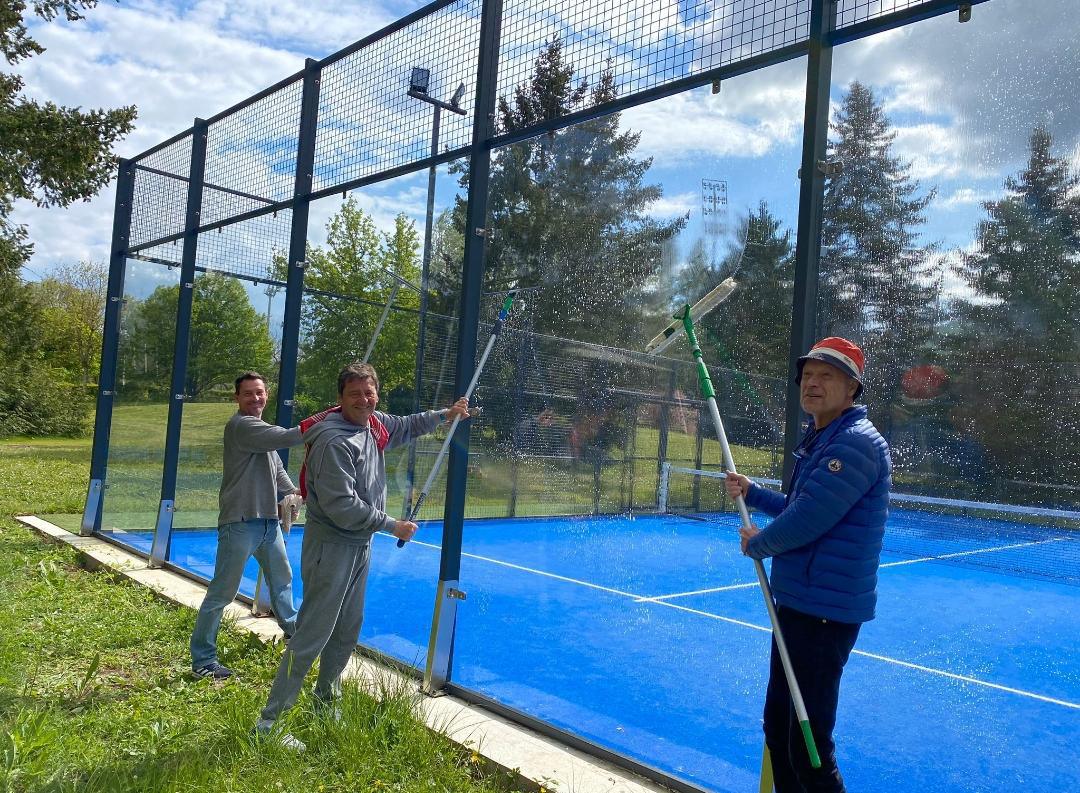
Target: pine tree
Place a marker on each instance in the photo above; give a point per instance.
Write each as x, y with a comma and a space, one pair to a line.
568, 209
755, 321
877, 285
52, 156
1019, 348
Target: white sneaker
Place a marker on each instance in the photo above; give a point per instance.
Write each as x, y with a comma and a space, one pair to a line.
264, 730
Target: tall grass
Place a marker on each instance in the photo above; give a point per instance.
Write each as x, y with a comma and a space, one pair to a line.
95, 692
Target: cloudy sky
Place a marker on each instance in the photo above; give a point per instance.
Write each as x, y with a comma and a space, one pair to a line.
963, 100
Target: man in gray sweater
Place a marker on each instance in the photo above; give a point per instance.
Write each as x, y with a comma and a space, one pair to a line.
253, 480
345, 479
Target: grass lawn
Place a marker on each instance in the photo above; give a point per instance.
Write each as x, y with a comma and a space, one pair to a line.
95, 693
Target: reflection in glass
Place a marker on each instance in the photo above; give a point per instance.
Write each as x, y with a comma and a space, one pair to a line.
141, 408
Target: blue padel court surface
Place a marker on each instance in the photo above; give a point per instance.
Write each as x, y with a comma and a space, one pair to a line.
649, 636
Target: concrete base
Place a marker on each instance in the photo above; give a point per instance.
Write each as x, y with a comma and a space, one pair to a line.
539, 763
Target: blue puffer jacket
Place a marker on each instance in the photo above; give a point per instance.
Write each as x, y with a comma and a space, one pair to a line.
826, 537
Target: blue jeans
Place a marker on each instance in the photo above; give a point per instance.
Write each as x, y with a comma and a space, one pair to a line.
236, 543
819, 649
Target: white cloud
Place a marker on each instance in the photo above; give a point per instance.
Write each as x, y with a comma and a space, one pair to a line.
752, 115
674, 205
323, 28
936, 152
962, 197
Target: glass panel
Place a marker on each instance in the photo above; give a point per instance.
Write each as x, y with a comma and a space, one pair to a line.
577, 610
141, 409
951, 255
370, 256
231, 322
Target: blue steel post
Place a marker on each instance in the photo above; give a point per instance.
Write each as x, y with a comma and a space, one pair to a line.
441, 641
159, 550
811, 198
294, 288
110, 343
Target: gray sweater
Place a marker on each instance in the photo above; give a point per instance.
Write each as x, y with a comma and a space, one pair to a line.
346, 475
252, 475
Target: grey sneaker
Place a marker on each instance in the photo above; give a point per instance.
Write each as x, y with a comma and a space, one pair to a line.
264, 730
212, 670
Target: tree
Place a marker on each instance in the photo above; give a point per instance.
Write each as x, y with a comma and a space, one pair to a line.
1017, 351
351, 283
52, 156
227, 336
877, 283
756, 320
73, 301
568, 209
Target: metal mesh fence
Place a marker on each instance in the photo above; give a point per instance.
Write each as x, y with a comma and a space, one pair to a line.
159, 201
255, 248
643, 45
368, 124
851, 12
251, 155
367, 121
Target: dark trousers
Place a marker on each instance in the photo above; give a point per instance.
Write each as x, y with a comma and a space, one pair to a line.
819, 649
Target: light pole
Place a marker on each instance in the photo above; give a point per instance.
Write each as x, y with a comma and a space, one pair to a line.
419, 81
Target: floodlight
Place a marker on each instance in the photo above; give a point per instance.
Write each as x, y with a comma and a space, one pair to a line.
419, 80
965, 12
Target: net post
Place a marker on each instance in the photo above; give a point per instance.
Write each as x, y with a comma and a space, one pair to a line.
662, 487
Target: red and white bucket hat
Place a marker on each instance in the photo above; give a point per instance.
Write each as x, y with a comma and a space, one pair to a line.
843, 354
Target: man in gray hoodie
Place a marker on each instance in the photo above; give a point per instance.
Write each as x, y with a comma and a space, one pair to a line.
253, 480
345, 480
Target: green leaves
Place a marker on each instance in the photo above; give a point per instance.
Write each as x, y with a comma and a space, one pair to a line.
356, 265
52, 156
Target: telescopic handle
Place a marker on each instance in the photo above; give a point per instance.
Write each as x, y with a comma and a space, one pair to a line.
705, 382
504, 312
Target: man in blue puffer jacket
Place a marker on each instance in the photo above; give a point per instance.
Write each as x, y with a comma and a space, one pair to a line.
825, 541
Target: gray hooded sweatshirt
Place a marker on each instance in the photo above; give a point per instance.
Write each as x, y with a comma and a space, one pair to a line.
253, 478
346, 475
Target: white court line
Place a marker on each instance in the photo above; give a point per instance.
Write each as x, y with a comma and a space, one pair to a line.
661, 598
531, 570
898, 662
966, 679
972, 553
884, 658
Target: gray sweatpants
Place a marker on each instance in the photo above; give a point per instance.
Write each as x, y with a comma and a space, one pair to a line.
328, 623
